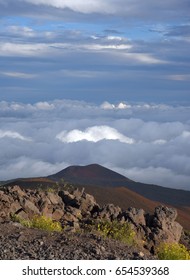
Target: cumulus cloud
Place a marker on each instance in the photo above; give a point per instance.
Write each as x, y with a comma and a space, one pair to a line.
93, 134
44, 106
145, 142
108, 106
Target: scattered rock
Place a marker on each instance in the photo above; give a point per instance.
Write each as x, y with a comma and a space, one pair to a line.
74, 210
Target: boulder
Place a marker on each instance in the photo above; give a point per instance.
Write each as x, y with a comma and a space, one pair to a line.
16, 189
14, 207
136, 216
110, 212
69, 218
163, 226
47, 210
23, 215
54, 198
30, 208
69, 199
87, 203
4, 198
57, 214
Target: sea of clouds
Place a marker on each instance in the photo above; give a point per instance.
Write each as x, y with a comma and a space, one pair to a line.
145, 142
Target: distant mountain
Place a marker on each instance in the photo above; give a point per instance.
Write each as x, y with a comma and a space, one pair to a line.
93, 174
97, 175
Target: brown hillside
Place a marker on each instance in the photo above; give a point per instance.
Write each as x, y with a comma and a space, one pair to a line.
32, 183
97, 175
122, 197
125, 198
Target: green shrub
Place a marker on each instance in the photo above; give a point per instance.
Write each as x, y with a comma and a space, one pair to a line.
51, 190
173, 251
40, 222
117, 230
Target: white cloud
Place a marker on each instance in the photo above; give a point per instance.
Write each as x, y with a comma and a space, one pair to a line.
44, 106
110, 46
186, 134
122, 105
108, 106
16, 49
144, 58
180, 77
19, 75
13, 134
93, 134
21, 30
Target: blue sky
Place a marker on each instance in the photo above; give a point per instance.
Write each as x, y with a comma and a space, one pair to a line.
96, 82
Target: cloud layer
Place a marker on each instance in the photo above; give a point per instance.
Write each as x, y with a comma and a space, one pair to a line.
143, 10
145, 142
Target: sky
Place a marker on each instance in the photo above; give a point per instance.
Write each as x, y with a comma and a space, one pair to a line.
96, 82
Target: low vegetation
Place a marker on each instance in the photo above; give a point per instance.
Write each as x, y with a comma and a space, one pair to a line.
116, 230
40, 222
174, 251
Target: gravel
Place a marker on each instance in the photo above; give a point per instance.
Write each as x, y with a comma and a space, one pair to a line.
17, 242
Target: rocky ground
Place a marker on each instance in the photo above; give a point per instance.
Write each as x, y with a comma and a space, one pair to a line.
73, 210
17, 242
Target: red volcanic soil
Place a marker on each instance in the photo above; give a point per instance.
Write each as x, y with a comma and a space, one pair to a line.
125, 198
122, 197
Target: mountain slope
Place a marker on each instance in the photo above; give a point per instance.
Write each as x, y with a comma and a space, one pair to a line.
124, 198
93, 174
